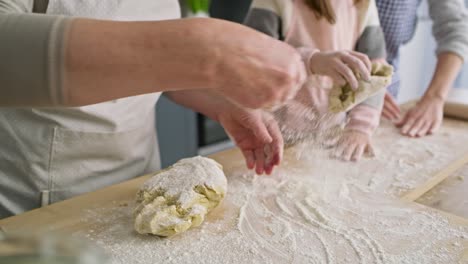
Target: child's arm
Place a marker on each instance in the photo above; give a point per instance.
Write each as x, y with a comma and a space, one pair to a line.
273, 17
365, 117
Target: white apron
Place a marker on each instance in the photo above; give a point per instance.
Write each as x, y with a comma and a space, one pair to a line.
47, 155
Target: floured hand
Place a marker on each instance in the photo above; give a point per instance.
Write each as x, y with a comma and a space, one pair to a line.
258, 136
352, 145
391, 109
255, 132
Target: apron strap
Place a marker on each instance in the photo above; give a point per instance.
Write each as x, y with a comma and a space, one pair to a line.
40, 6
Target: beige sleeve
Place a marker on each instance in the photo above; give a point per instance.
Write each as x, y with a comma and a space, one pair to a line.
282, 9
372, 43
32, 52
16, 6
450, 27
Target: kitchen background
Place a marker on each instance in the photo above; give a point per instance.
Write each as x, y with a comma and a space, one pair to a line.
183, 133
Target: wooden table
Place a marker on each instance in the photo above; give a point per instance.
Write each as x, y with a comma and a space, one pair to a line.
67, 216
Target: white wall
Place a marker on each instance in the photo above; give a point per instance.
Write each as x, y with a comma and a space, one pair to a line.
417, 59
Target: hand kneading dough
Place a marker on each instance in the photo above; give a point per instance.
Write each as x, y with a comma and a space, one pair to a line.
179, 197
343, 98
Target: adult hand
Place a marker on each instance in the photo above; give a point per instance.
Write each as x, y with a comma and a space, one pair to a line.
352, 145
341, 66
423, 119
252, 68
109, 59
255, 132
391, 110
258, 136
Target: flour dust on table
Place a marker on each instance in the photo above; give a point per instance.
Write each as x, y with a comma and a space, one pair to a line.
400, 163
290, 217
313, 209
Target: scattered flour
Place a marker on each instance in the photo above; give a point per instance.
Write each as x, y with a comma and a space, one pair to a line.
400, 165
273, 220
313, 209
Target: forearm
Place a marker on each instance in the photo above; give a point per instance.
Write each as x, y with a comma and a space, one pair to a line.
97, 61
447, 68
108, 60
450, 26
58, 61
365, 117
203, 101
28, 58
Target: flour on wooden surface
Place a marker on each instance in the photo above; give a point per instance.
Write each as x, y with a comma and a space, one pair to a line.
401, 163
290, 218
312, 210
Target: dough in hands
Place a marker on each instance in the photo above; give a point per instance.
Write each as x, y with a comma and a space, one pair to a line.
343, 98
179, 198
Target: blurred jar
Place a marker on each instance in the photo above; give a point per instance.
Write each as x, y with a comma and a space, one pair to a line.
48, 249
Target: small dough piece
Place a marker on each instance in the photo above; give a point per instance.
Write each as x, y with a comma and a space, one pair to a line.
343, 98
179, 198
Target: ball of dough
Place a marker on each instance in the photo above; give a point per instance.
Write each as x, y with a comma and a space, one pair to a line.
179, 198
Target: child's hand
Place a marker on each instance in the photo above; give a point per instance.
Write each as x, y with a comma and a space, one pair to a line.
391, 110
341, 66
258, 136
352, 145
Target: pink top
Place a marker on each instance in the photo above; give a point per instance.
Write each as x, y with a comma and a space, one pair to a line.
305, 31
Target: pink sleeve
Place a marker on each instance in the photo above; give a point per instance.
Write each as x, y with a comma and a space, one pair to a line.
363, 118
306, 54
315, 91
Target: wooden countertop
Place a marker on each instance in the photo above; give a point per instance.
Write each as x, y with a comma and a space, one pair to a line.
67, 216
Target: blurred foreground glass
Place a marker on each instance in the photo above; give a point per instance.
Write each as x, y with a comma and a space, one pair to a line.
48, 249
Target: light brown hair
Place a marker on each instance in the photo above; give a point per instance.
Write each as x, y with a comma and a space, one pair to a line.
324, 8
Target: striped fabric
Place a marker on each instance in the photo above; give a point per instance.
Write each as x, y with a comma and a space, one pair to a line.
398, 20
